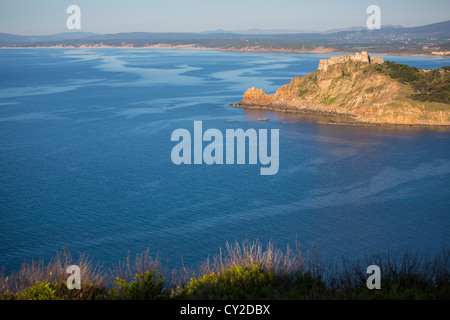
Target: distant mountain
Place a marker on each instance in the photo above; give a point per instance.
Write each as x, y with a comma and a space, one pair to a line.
352, 37
440, 28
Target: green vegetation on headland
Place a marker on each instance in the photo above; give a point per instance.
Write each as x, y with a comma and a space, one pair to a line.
428, 85
246, 272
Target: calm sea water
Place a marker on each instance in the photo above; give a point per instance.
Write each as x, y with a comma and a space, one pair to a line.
85, 162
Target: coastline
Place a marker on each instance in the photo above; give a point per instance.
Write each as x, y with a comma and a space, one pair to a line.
153, 47
320, 49
277, 108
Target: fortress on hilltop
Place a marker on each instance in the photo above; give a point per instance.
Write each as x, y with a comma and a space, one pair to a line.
363, 57
357, 90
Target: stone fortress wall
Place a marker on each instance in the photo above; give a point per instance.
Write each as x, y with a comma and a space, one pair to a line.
363, 57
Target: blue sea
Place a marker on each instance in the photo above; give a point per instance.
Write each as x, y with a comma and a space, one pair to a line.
85, 162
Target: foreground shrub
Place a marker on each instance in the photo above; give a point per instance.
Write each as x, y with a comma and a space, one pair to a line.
238, 283
147, 286
234, 283
40, 291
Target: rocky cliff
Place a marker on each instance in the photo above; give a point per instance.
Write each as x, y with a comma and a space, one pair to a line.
352, 88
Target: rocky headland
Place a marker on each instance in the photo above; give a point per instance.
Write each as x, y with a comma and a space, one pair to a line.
365, 89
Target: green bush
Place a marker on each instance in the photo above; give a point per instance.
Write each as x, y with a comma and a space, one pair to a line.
239, 283
40, 291
147, 286
56, 291
235, 283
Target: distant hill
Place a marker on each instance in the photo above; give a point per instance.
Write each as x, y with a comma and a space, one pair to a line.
361, 28
261, 31
12, 38
435, 28
388, 39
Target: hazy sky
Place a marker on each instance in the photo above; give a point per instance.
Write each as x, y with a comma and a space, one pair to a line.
33, 17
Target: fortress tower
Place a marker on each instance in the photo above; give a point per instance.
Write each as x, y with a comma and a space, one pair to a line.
362, 57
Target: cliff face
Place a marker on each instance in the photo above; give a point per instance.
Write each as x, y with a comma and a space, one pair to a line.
352, 88
257, 96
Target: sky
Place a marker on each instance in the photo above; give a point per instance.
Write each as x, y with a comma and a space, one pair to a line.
40, 17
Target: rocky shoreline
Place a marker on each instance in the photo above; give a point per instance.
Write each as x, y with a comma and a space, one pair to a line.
353, 122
